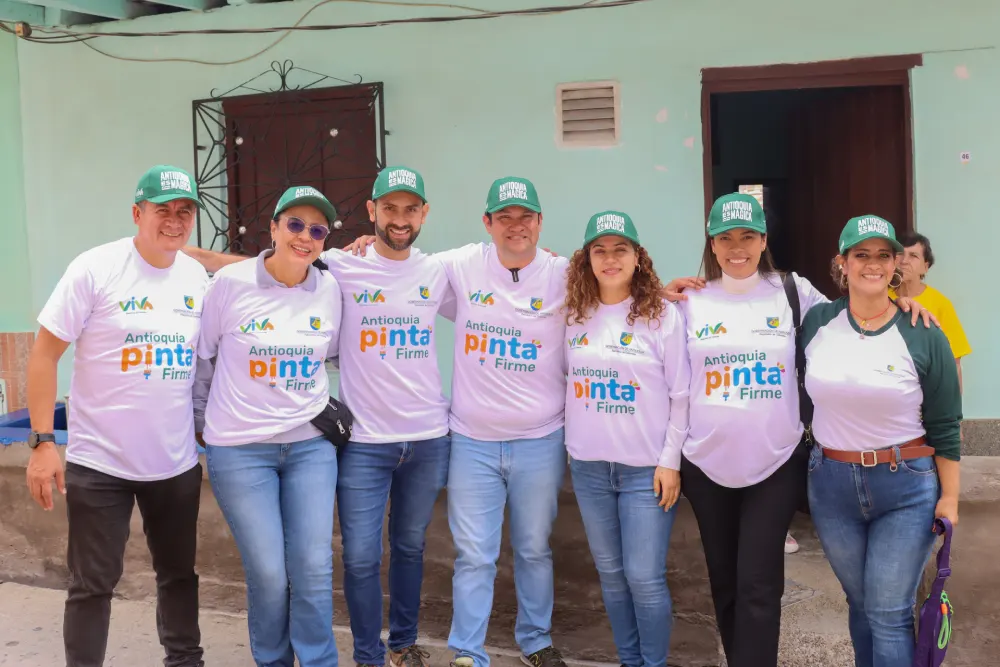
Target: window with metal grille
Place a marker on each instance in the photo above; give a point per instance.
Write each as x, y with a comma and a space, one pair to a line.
588, 114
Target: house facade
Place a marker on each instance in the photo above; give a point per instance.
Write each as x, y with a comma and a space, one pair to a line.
468, 101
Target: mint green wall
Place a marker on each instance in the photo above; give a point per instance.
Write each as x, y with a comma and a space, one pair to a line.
16, 312
467, 102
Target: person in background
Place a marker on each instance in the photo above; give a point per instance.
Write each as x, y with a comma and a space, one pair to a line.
887, 422
133, 309
626, 420
742, 468
268, 327
917, 259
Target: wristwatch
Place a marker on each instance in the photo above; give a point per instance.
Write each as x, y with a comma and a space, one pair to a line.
36, 439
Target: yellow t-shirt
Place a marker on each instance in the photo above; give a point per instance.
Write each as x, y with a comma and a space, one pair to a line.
941, 308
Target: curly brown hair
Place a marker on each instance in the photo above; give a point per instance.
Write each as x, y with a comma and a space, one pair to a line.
583, 293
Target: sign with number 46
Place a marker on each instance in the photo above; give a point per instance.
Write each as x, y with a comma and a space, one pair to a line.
964, 157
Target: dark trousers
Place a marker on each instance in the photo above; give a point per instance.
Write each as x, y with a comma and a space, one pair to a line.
99, 507
743, 533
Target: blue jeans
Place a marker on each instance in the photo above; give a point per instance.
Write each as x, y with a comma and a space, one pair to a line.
525, 475
629, 534
278, 501
876, 529
408, 476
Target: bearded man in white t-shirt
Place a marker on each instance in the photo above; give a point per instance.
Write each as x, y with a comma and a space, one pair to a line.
133, 309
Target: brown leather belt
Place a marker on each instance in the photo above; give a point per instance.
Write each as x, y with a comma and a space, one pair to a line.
914, 449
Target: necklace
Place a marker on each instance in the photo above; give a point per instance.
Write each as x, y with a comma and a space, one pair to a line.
863, 321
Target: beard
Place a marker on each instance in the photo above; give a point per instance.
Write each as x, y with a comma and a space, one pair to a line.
383, 234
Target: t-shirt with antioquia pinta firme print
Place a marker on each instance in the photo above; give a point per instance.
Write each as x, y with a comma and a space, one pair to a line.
135, 328
744, 421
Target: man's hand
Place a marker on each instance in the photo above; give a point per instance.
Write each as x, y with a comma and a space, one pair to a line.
917, 311
675, 288
360, 245
666, 486
44, 466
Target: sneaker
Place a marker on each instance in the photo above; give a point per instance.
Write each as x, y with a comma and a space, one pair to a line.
464, 661
791, 546
547, 657
411, 656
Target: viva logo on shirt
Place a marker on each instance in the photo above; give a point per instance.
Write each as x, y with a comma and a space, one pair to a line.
503, 347
257, 326
601, 386
482, 299
287, 367
169, 354
134, 305
397, 337
743, 376
370, 297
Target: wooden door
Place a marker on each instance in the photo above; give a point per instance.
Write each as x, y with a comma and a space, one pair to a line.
848, 159
326, 138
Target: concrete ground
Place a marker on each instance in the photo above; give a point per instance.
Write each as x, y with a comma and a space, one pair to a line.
814, 632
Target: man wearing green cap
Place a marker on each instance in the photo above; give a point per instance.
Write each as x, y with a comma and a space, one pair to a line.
390, 380
133, 309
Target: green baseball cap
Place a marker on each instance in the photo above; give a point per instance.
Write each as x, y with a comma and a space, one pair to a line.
164, 183
609, 223
305, 195
399, 179
868, 227
512, 191
736, 211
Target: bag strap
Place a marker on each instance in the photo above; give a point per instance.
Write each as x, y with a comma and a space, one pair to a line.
805, 404
943, 526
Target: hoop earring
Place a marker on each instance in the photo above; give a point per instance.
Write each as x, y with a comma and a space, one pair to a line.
273, 245
895, 275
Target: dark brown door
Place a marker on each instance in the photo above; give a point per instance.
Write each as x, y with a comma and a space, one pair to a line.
848, 159
325, 138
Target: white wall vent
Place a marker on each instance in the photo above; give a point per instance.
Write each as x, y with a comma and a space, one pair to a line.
588, 114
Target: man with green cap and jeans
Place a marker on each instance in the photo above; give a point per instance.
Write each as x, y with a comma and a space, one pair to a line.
390, 380
508, 400
399, 450
133, 309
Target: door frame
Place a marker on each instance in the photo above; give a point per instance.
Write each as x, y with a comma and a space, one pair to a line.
853, 72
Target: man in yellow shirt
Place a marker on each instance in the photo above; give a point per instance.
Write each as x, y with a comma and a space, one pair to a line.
916, 261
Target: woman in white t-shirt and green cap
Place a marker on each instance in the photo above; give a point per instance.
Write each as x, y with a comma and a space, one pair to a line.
268, 326
742, 469
626, 420
888, 412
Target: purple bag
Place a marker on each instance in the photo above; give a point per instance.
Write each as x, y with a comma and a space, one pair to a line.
935, 614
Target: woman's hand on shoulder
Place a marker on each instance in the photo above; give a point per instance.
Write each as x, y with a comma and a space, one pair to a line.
674, 290
917, 312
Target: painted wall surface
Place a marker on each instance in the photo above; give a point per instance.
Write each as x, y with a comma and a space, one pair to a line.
468, 102
16, 313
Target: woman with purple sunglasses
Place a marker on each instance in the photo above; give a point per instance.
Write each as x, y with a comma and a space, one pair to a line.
268, 326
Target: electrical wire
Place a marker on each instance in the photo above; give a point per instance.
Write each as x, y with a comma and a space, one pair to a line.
60, 36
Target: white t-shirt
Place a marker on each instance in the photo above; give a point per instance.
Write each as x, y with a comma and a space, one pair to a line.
136, 330
270, 343
388, 357
627, 395
744, 421
509, 379
883, 388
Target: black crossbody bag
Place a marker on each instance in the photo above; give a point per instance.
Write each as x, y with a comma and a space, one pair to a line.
805, 445
336, 421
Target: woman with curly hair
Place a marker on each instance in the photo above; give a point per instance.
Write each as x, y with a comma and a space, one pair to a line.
626, 420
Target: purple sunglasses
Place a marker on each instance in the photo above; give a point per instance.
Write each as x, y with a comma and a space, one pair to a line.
316, 232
